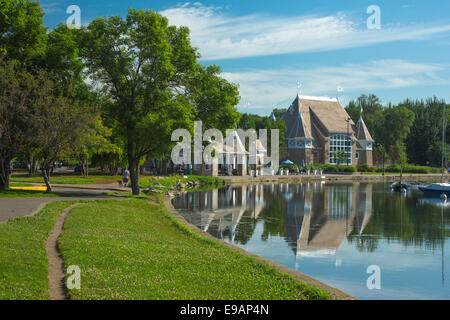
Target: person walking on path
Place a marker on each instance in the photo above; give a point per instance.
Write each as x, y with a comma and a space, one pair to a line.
11, 168
126, 177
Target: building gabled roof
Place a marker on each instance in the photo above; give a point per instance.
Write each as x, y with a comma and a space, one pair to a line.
330, 114
362, 133
297, 121
326, 111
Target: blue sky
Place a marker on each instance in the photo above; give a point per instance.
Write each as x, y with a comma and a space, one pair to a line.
267, 46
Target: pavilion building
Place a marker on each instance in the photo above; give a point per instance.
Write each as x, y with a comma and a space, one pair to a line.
319, 129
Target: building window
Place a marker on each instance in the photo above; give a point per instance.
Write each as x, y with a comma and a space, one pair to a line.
357, 155
340, 149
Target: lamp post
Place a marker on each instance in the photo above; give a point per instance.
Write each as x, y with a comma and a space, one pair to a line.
348, 135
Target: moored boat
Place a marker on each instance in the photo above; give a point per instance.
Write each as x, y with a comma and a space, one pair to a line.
400, 186
436, 188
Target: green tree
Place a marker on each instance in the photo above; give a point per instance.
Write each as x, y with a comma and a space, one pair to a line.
397, 123
434, 153
426, 131
246, 122
22, 34
93, 140
20, 92
380, 154
62, 59
279, 113
215, 99
372, 113
399, 156
144, 66
58, 124
277, 125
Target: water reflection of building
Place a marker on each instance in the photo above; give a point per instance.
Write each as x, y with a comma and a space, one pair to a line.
313, 218
328, 220
223, 209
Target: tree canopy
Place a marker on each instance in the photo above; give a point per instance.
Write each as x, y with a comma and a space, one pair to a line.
409, 131
149, 73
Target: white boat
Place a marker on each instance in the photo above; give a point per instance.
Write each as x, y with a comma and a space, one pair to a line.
436, 188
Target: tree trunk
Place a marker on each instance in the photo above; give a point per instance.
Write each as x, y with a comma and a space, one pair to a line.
4, 174
133, 162
164, 166
113, 170
33, 166
45, 169
86, 167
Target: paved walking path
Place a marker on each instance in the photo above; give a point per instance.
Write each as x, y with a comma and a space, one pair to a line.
11, 208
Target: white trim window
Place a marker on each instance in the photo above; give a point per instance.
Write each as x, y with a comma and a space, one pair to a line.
338, 143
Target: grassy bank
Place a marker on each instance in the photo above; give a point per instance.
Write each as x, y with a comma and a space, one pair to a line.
23, 260
130, 250
166, 183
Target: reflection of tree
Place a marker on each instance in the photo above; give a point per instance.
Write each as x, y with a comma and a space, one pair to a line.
373, 215
363, 244
270, 214
401, 220
244, 231
273, 217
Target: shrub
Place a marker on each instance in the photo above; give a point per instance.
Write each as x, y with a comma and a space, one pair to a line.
347, 169
335, 168
364, 168
409, 168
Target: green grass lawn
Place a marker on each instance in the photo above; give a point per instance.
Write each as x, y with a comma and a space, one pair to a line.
131, 250
20, 184
23, 260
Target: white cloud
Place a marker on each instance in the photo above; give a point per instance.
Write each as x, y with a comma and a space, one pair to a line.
53, 7
265, 88
222, 36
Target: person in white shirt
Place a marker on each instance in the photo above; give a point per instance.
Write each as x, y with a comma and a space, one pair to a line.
126, 177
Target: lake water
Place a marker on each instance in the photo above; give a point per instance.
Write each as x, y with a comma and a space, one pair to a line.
334, 232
